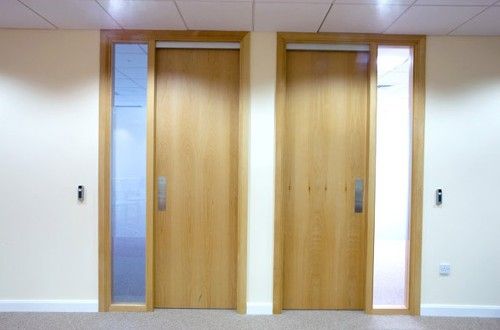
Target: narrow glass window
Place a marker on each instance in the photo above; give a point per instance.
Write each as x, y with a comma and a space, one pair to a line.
128, 173
393, 176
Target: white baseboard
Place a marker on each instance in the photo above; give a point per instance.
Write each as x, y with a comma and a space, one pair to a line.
61, 305
460, 310
255, 308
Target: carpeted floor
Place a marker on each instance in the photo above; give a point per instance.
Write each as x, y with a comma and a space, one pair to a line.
223, 319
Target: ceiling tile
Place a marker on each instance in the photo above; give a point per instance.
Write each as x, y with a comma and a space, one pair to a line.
299, 1
73, 14
376, 2
456, 2
179, 1
144, 14
217, 15
361, 18
432, 20
487, 23
302, 17
14, 14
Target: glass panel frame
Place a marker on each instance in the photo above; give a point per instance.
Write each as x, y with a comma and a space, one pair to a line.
128, 162
393, 172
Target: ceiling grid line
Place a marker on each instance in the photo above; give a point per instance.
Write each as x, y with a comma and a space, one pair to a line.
324, 18
253, 15
404, 12
39, 15
180, 14
470, 19
430, 17
107, 13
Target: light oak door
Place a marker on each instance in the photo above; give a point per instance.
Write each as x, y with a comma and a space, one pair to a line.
325, 152
196, 153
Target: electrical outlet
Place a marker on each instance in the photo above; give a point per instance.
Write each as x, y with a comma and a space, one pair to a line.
444, 269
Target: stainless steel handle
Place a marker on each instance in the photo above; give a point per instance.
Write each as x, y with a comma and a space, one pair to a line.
162, 193
358, 195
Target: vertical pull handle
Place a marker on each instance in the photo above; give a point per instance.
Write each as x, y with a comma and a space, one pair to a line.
162, 193
358, 195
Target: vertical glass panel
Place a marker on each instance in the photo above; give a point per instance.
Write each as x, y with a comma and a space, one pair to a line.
128, 173
393, 177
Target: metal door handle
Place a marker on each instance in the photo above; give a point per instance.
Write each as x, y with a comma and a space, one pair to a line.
358, 195
162, 193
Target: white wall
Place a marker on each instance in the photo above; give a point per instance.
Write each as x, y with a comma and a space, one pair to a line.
261, 173
49, 125
49, 144
462, 156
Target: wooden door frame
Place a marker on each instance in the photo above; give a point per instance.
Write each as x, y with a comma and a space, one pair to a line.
373, 40
108, 38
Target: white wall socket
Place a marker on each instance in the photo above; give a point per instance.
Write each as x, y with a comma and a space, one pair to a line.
444, 269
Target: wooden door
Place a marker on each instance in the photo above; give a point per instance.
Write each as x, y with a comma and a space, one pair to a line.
196, 151
325, 151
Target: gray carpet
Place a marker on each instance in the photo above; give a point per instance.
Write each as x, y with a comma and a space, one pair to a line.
223, 319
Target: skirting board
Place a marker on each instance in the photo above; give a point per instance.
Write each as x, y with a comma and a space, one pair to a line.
259, 308
61, 305
460, 310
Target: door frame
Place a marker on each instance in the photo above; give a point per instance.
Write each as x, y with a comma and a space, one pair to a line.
150, 37
417, 42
